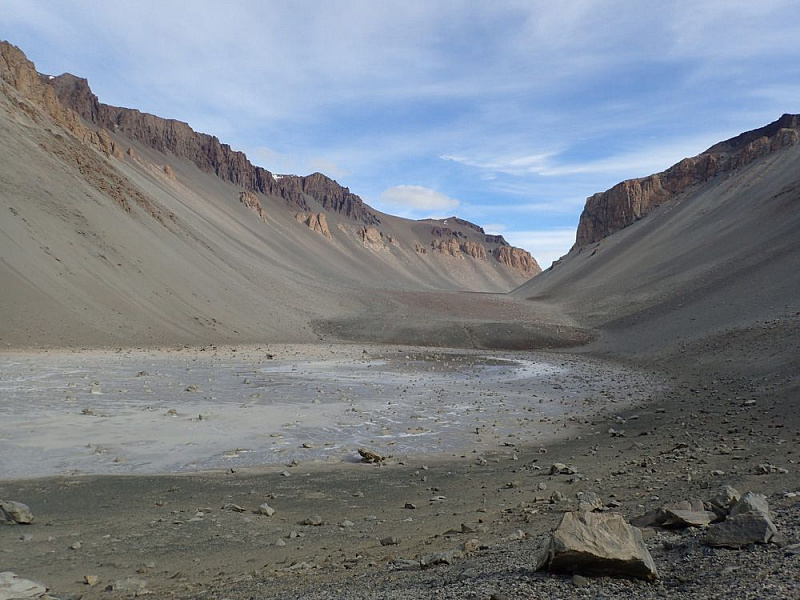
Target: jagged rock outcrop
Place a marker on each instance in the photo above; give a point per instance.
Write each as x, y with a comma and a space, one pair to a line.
20, 73
371, 237
37, 99
446, 232
517, 258
465, 223
627, 202
449, 247
474, 249
251, 201
330, 195
208, 153
315, 221
496, 239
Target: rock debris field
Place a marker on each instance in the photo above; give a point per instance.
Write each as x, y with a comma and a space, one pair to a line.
145, 412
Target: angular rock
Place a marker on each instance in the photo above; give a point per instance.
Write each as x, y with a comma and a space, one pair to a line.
724, 499
598, 544
688, 518
752, 503
653, 518
265, 509
13, 587
562, 469
313, 521
741, 530
15, 513
589, 501
448, 557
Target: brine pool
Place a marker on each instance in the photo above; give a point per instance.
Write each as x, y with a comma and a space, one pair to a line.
136, 412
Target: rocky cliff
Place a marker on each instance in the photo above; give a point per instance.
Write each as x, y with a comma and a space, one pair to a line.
69, 101
629, 201
38, 100
206, 152
517, 258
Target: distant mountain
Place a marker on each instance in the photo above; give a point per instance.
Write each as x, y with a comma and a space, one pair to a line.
123, 227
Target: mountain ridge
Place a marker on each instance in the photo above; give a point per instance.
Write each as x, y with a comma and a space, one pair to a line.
625, 203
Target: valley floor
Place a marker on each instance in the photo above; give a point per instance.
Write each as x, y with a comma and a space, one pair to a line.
717, 415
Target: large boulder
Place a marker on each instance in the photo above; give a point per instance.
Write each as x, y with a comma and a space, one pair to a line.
598, 544
741, 530
749, 522
15, 513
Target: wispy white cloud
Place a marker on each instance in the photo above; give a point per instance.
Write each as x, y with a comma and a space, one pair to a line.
417, 200
545, 102
647, 158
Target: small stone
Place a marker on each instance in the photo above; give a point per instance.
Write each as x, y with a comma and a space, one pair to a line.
347, 524
280, 542
557, 497
191, 388
724, 499
561, 469
589, 501
447, 557
76, 546
792, 549
265, 509
390, 541
410, 505
541, 486
313, 521
90, 580
232, 507
470, 546
580, 580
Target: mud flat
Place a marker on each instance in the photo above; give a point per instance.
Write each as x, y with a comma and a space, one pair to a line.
167, 412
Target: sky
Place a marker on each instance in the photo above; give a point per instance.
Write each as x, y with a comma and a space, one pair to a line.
508, 114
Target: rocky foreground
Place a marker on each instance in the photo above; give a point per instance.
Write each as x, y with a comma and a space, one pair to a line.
474, 526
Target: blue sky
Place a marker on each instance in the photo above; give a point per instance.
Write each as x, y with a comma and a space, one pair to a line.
508, 114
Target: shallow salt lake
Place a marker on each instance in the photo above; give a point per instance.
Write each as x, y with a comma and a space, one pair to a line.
158, 412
